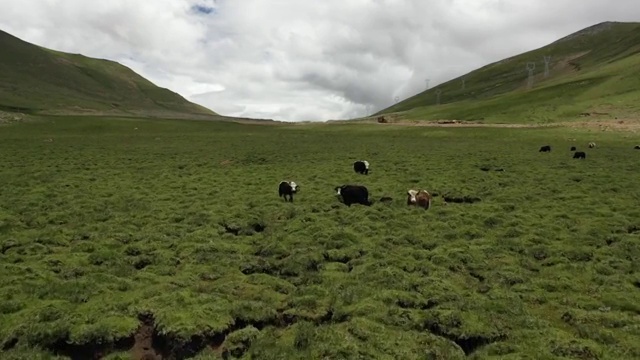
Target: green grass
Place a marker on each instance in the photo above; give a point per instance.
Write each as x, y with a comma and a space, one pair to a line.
34, 79
608, 58
105, 223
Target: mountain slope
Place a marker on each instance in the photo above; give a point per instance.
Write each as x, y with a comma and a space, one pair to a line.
593, 71
34, 79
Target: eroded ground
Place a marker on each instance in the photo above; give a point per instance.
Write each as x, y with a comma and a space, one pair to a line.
160, 239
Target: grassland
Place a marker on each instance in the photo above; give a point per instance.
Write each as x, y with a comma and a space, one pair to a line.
593, 72
107, 224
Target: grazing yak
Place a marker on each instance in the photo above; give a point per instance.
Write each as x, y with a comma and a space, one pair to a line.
420, 198
545, 148
361, 167
353, 194
592, 145
288, 188
579, 155
573, 148
637, 147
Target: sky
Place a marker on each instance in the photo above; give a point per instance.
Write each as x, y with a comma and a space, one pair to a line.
295, 60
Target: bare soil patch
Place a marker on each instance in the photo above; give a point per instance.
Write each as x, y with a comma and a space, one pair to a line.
143, 347
7, 118
630, 125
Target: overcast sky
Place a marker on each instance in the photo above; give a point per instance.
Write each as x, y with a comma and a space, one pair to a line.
297, 59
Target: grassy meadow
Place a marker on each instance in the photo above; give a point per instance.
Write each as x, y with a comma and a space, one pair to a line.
104, 222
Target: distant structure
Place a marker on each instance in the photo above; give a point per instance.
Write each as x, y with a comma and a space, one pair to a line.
426, 83
463, 83
547, 60
530, 67
438, 91
368, 109
397, 98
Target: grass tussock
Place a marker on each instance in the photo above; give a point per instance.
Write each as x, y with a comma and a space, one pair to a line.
171, 240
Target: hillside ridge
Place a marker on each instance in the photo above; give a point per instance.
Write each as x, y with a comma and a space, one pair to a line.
38, 80
590, 71
590, 30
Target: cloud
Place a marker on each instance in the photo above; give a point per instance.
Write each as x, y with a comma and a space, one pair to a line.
299, 60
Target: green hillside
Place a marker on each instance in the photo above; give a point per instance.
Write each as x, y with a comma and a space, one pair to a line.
594, 71
37, 80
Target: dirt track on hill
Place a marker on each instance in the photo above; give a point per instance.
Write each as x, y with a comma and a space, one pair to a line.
626, 125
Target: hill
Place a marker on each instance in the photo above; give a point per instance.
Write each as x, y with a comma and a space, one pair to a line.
37, 80
593, 72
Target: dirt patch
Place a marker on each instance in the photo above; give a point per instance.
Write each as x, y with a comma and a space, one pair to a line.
142, 262
623, 125
247, 229
8, 118
466, 199
143, 346
633, 229
417, 304
627, 124
262, 122
569, 63
91, 351
488, 168
449, 123
148, 344
467, 342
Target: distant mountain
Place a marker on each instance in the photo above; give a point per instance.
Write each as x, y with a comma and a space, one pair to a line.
37, 80
593, 72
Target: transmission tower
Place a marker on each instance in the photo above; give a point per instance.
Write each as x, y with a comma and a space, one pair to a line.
530, 67
397, 99
547, 60
438, 96
426, 82
463, 83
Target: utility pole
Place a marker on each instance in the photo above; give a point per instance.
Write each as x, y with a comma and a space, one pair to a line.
530, 67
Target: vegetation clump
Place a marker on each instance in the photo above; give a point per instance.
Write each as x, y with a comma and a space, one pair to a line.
114, 244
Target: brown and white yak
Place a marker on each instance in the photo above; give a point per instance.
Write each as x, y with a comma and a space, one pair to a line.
420, 198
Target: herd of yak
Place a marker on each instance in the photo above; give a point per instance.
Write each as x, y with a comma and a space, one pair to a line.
576, 154
359, 194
